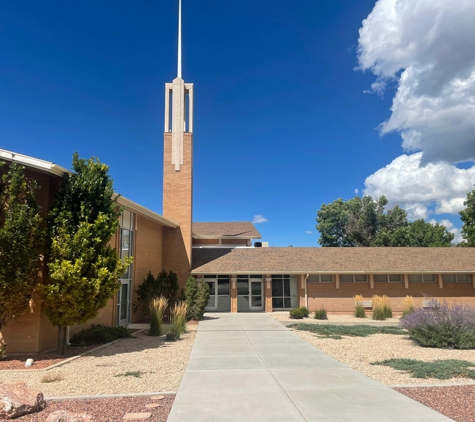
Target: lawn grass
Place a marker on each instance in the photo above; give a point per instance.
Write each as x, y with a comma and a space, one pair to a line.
337, 331
441, 369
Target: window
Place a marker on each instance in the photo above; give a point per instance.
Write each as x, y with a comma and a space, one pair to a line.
353, 278
422, 278
387, 278
284, 291
456, 278
219, 289
320, 278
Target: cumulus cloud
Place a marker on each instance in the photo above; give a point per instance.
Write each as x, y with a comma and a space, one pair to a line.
357, 191
308, 232
258, 219
450, 227
417, 188
427, 47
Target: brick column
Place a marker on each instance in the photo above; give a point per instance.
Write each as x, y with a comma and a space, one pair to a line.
405, 278
440, 281
371, 281
234, 305
268, 292
337, 281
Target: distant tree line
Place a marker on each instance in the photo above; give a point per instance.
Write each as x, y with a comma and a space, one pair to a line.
364, 221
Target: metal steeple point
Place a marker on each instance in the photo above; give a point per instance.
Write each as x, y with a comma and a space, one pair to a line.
179, 39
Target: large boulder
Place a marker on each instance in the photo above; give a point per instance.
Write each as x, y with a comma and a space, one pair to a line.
64, 416
18, 399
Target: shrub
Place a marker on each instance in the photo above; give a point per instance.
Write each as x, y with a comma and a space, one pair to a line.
299, 313
99, 334
158, 307
165, 284
446, 326
407, 305
337, 331
305, 311
197, 298
381, 308
320, 314
178, 321
52, 377
359, 307
441, 369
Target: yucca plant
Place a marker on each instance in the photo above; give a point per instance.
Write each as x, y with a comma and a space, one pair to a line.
407, 305
178, 321
382, 308
158, 305
359, 307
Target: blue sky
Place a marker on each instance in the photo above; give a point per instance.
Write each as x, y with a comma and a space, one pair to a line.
282, 120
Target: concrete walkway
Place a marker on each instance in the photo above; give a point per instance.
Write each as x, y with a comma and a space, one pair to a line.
249, 367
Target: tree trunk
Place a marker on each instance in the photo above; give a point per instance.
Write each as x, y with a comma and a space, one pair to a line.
60, 345
3, 346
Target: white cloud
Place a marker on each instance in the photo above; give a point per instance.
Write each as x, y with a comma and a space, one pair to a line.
414, 187
258, 219
450, 227
426, 46
308, 232
357, 191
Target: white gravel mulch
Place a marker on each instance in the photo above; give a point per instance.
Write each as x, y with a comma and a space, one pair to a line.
284, 317
358, 352
161, 365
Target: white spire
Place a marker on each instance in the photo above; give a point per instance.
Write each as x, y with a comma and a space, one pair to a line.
179, 38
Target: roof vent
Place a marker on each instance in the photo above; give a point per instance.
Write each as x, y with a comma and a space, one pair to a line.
265, 244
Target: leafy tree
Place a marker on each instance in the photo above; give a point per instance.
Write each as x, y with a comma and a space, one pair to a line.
165, 284
196, 297
364, 222
84, 268
468, 219
21, 237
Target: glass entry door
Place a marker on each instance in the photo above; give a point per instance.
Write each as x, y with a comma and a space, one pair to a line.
123, 303
256, 302
213, 297
250, 293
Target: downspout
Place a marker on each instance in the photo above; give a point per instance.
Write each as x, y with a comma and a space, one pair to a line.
306, 297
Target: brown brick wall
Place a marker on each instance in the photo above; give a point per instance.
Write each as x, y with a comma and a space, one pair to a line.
341, 300
148, 255
177, 206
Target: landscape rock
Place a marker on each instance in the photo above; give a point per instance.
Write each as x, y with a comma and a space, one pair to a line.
64, 416
18, 399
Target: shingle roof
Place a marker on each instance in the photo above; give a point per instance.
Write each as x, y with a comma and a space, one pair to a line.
336, 260
216, 230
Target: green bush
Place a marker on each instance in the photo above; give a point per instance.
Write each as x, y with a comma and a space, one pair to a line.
196, 298
299, 313
337, 331
165, 284
320, 314
441, 369
359, 311
381, 314
99, 334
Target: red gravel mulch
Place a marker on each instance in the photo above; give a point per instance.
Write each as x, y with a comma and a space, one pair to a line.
107, 410
41, 360
455, 402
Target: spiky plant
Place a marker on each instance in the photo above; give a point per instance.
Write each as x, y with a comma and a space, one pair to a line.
158, 305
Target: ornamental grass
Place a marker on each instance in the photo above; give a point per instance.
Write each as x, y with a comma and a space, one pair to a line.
381, 308
359, 307
178, 321
407, 305
158, 306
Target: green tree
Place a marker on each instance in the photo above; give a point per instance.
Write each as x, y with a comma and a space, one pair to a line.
165, 284
364, 222
21, 237
196, 297
467, 216
83, 267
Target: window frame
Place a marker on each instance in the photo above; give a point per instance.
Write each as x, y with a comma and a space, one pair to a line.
319, 281
354, 278
422, 278
456, 280
388, 278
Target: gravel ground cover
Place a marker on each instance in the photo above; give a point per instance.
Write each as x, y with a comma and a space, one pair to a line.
284, 317
359, 352
455, 402
40, 360
133, 365
106, 410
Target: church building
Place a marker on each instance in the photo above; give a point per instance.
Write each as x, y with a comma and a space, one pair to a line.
244, 275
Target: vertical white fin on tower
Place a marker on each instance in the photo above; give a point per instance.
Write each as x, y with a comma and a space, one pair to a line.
179, 39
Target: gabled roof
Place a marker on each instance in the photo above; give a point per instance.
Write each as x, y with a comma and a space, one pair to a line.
333, 260
231, 229
52, 168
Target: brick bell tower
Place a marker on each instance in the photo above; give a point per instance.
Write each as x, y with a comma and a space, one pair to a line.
178, 172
